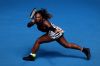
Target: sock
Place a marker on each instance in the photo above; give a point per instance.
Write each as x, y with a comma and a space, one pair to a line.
32, 54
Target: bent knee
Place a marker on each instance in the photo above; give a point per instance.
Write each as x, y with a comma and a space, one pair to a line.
68, 46
39, 41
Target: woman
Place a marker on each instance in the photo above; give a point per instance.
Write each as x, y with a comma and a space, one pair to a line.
52, 33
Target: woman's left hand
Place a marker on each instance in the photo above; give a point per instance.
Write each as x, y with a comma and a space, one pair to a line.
58, 30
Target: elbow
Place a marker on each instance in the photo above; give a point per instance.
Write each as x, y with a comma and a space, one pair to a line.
30, 24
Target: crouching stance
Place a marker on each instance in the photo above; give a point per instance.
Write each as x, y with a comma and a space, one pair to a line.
52, 33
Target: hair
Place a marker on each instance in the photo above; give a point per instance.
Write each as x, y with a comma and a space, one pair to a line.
44, 13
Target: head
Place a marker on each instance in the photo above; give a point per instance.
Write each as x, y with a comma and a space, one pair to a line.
41, 14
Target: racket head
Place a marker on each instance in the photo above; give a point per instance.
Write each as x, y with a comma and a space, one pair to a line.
32, 13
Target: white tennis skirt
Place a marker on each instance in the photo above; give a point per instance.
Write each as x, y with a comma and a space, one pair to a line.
54, 35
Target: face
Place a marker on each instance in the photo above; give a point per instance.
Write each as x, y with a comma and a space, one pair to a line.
38, 17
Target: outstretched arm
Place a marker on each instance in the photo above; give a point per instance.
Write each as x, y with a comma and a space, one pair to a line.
31, 23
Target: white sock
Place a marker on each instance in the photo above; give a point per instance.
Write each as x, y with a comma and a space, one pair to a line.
34, 55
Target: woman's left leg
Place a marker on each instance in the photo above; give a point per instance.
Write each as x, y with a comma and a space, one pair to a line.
66, 44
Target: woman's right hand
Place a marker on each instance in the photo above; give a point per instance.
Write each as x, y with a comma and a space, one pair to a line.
30, 24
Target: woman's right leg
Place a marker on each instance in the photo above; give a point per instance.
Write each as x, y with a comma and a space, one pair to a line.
43, 39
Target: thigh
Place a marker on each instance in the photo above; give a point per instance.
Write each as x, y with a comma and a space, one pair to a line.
44, 39
62, 40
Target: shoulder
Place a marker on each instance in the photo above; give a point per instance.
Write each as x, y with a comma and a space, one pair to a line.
47, 22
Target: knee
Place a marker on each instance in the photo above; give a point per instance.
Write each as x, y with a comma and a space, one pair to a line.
68, 45
38, 42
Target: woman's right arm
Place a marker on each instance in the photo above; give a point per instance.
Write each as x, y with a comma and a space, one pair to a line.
31, 23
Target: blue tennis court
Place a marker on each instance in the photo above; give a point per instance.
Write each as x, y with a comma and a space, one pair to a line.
80, 19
